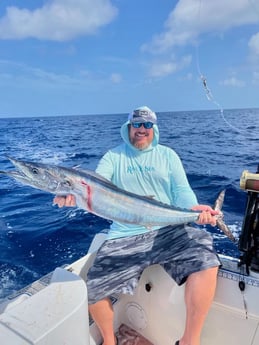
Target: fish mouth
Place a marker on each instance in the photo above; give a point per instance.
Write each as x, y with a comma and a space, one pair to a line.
14, 173
18, 175
23, 173
18, 164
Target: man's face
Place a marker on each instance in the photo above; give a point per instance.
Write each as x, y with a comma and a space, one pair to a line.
141, 137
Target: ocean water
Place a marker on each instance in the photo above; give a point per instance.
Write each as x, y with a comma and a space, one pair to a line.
36, 237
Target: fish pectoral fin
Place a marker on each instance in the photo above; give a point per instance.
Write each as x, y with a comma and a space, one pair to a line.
149, 227
152, 197
77, 167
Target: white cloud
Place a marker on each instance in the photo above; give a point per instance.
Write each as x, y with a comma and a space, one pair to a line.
188, 76
191, 18
163, 68
233, 81
22, 74
57, 20
253, 59
254, 45
255, 79
116, 78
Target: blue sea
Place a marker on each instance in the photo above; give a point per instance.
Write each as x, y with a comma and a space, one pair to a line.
36, 237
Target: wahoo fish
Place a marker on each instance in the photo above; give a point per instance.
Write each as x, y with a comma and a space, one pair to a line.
99, 196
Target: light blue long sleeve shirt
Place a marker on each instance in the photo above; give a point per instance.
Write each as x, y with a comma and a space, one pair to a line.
156, 172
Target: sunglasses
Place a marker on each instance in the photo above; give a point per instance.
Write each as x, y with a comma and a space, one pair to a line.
146, 125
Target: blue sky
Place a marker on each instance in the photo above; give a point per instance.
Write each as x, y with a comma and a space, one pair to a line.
64, 57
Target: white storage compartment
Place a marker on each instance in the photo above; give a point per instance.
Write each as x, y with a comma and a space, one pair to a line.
58, 314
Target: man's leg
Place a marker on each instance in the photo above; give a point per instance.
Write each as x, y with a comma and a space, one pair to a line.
102, 314
199, 293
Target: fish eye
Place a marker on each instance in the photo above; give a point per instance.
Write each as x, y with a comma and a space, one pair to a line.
35, 171
67, 183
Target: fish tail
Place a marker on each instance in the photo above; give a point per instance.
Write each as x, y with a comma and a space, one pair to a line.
220, 223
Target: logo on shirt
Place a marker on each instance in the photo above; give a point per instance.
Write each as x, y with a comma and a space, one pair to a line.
138, 168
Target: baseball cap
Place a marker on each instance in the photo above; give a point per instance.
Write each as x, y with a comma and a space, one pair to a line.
142, 114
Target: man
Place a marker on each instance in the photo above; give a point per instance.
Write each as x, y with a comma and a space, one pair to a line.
143, 166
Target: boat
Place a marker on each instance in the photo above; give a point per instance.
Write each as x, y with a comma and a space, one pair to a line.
54, 309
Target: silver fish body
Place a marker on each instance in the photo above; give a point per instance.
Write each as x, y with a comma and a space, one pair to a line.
99, 196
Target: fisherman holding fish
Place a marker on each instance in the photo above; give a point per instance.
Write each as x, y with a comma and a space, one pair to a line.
143, 166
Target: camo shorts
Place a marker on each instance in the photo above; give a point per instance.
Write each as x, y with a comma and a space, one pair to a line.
119, 263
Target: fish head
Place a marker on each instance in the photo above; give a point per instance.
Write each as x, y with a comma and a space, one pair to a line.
42, 176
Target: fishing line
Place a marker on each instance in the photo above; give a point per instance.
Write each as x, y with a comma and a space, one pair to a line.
208, 92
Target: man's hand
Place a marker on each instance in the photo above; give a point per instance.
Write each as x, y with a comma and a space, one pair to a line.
62, 201
207, 216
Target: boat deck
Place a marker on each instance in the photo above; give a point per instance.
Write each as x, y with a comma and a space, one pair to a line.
128, 336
